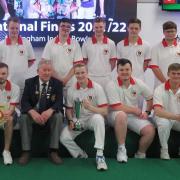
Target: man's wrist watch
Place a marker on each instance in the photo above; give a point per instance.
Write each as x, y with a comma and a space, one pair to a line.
148, 112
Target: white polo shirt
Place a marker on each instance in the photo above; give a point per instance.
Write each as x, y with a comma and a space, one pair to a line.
10, 95
63, 56
17, 56
118, 94
165, 98
93, 93
98, 56
164, 55
137, 53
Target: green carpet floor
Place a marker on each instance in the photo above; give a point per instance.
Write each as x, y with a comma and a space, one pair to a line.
81, 169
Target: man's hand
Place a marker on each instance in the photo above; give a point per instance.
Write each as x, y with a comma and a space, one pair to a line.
7, 115
71, 125
137, 111
47, 114
37, 118
87, 104
143, 115
178, 117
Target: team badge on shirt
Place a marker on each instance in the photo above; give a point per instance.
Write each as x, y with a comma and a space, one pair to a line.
53, 97
21, 52
69, 50
139, 53
8, 98
133, 93
106, 51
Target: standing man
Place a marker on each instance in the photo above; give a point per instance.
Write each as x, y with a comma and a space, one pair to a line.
99, 53
63, 52
167, 107
165, 53
87, 106
16, 52
41, 104
9, 98
135, 49
123, 95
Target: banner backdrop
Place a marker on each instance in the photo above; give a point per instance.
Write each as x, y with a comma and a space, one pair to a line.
39, 18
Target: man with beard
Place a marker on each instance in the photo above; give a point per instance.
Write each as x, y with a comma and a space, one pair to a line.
9, 98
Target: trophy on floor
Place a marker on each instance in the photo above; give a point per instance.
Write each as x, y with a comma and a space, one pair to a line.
2, 120
77, 124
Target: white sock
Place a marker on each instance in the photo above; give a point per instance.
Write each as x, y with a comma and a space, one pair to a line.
99, 152
121, 146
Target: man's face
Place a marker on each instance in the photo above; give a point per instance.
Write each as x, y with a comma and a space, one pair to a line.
3, 75
45, 72
13, 29
134, 29
170, 34
124, 72
81, 74
99, 28
174, 76
64, 29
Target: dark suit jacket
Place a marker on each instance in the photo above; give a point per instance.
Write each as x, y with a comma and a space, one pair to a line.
31, 95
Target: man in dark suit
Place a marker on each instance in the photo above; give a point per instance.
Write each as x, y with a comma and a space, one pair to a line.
41, 105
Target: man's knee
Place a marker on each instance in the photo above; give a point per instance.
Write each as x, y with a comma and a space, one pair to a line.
65, 135
121, 118
148, 130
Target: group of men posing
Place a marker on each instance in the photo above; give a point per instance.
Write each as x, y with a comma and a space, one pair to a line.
83, 78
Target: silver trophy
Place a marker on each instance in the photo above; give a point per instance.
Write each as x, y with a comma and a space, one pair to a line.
77, 124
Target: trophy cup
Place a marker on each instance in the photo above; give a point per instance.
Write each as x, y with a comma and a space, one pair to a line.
77, 124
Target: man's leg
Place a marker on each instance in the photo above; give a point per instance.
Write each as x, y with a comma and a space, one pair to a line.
26, 136
56, 122
147, 136
120, 127
97, 124
8, 132
67, 139
164, 127
147, 132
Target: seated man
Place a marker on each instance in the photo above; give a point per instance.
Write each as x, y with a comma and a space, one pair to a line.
9, 97
41, 105
123, 95
167, 107
87, 105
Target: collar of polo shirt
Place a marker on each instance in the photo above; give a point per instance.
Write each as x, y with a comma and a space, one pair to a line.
58, 40
8, 86
94, 40
139, 41
165, 44
89, 85
19, 41
120, 82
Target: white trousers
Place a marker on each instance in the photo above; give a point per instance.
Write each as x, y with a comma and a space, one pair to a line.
94, 123
164, 127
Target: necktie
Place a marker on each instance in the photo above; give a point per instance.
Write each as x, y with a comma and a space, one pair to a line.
42, 99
